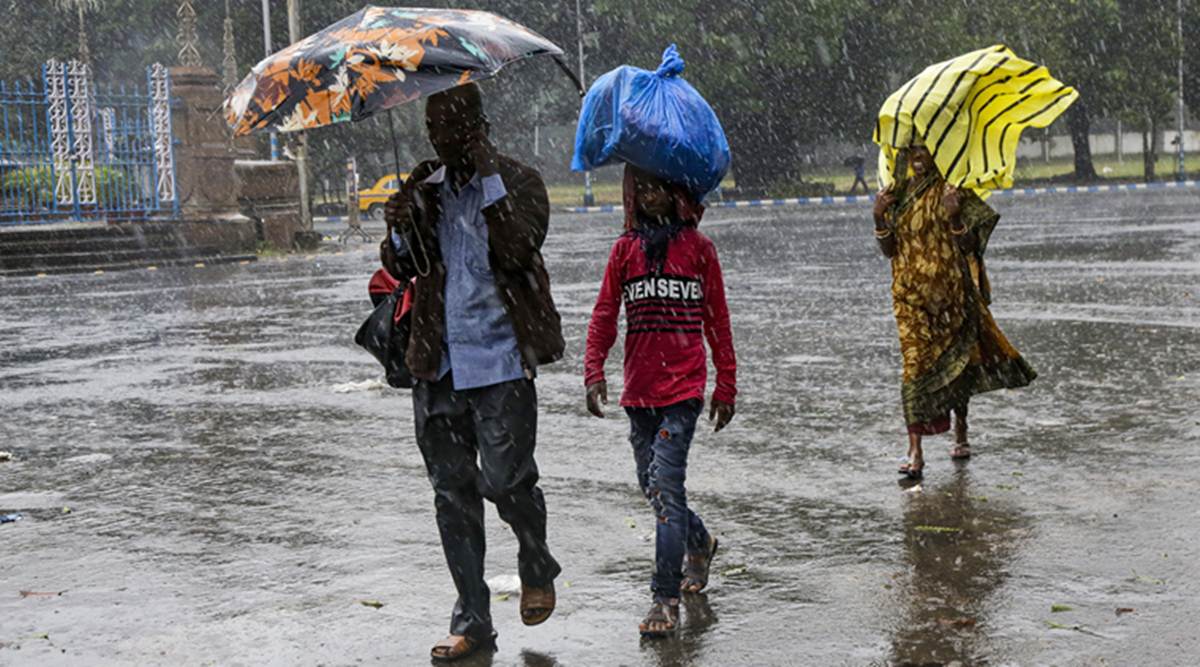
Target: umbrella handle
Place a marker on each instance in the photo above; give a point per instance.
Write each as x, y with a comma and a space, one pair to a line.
570, 73
424, 273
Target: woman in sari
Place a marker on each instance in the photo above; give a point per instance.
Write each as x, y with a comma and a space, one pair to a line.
935, 236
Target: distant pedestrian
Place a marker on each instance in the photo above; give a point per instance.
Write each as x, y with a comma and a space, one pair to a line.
859, 163
469, 227
935, 236
668, 277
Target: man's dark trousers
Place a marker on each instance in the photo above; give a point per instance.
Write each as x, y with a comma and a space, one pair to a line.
497, 425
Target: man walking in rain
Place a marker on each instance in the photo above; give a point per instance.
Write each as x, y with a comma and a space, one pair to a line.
468, 227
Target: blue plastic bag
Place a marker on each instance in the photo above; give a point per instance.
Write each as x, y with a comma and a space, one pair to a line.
655, 121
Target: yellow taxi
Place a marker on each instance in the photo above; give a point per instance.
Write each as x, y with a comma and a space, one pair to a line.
371, 200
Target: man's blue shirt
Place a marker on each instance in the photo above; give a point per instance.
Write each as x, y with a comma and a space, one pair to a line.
479, 347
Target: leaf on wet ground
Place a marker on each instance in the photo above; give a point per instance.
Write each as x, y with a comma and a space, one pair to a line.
1121, 611
1057, 608
1006, 487
374, 604
1141, 578
937, 529
41, 594
1075, 628
630, 522
733, 572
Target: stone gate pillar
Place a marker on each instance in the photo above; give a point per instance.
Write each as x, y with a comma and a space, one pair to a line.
208, 187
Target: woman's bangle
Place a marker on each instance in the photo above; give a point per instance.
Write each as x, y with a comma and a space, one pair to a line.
883, 233
960, 231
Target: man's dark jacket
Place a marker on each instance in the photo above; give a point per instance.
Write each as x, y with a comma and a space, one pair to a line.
516, 229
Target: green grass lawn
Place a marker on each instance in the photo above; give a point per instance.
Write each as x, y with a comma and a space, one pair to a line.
571, 194
1129, 170
1028, 172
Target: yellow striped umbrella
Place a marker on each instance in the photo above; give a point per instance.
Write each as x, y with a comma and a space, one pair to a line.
970, 112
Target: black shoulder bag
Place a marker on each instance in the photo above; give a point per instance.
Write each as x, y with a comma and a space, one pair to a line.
387, 340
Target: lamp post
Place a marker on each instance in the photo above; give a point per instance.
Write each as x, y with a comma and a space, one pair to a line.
588, 198
266, 18
306, 221
1180, 167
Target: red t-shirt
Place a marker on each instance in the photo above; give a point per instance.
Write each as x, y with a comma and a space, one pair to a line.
667, 315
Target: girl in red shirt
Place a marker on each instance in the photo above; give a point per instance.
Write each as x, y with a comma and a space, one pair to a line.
667, 274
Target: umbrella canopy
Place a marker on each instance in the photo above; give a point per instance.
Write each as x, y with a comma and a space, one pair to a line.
970, 112
375, 59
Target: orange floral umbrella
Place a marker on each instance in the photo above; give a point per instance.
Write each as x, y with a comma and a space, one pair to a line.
375, 59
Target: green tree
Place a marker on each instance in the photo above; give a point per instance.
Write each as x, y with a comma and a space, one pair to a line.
1146, 76
783, 76
779, 75
1079, 47
80, 7
1191, 55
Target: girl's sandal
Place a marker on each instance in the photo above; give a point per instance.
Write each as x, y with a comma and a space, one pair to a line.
457, 647
661, 621
960, 452
913, 472
696, 568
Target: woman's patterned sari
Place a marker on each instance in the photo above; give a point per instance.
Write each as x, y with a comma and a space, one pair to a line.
951, 346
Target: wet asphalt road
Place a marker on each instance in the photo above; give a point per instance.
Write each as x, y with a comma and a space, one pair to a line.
238, 482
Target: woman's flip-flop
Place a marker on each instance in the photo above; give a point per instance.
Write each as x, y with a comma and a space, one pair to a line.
911, 472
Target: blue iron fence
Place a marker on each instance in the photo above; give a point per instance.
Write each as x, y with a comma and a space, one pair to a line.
75, 151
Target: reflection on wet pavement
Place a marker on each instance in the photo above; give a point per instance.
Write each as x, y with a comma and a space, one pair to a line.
957, 550
209, 472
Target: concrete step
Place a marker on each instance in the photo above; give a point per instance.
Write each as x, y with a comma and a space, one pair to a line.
207, 260
98, 246
16, 233
53, 245
137, 255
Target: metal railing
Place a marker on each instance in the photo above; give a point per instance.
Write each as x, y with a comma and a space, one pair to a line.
74, 151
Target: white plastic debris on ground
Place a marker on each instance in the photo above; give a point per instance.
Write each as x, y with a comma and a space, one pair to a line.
502, 584
355, 387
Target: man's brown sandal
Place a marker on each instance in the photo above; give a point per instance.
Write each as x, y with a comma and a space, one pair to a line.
457, 647
661, 621
696, 568
537, 604
961, 451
